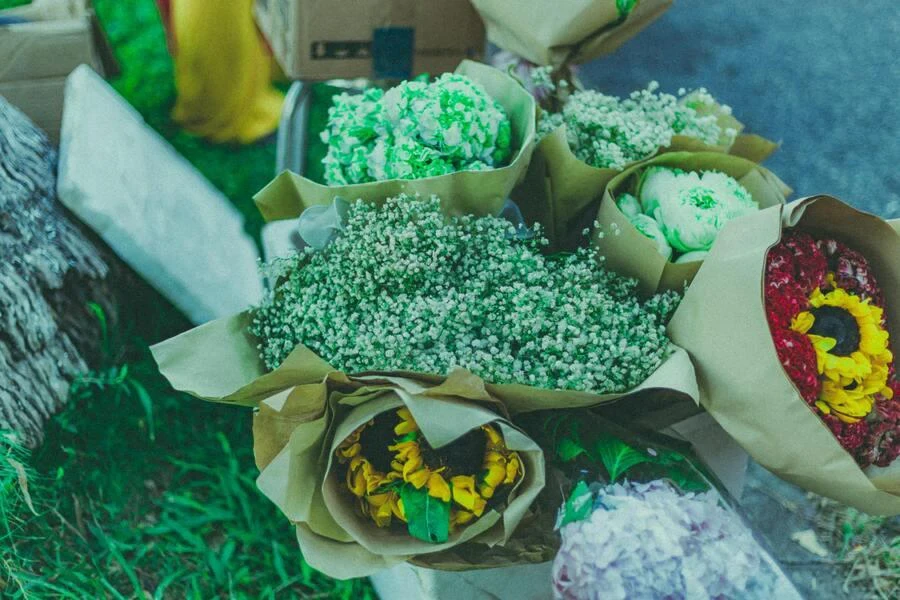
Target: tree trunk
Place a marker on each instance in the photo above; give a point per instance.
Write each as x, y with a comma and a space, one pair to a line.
49, 272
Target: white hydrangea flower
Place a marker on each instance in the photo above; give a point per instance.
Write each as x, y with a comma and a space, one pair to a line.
691, 208
649, 540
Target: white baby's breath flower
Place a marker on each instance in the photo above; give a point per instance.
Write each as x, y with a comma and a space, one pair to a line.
610, 132
401, 287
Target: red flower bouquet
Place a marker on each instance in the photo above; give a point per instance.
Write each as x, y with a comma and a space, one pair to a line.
826, 313
789, 324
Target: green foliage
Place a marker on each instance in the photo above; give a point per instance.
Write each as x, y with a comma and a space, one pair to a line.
153, 495
140, 492
578, 435
428, 518
578, 506
617, 456
4, 4
625, 7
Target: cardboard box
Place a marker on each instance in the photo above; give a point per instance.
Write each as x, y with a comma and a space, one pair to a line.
378, 39
57, 37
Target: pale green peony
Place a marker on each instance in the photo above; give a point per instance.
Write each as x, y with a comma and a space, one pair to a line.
631, 208
691, 208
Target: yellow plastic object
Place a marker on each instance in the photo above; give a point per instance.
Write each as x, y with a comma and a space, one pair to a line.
222, 72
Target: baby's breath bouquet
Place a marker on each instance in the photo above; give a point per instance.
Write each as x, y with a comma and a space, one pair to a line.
659, 219
387, 361
467, 136
789, 324
402, 288
590, 137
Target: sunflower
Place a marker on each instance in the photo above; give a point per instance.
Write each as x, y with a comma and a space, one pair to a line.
852, 351
388, 459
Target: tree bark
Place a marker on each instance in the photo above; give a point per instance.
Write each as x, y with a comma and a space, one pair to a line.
49, 272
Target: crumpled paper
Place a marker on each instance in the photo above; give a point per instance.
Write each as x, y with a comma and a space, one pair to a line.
722, 323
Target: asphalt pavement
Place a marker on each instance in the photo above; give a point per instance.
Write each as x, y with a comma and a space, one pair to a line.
821, 77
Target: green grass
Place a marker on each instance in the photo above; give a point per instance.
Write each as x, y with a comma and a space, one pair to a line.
142, 492
4, 4
138, 491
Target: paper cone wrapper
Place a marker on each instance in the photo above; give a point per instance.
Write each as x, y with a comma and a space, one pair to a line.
306, 407
297, 432
562, 192
722, 323
631, 253
219, 361
554, 33
466, 192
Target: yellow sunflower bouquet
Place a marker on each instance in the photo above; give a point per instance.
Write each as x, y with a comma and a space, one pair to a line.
433, 491
789, 323
376, 469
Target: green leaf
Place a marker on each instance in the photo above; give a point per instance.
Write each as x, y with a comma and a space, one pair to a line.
679, 469
625, 7
578, 506
568, 449
617, 456
409, 437
147, 404
427, 518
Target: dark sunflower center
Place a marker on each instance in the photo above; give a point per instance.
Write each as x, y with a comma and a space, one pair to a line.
837, 323
463, 456
375, 440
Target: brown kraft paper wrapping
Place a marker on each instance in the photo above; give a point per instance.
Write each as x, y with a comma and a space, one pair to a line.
465, 192
722, 324
560, 190
554, 33
631, 253
306, 409
305, 406
219, 362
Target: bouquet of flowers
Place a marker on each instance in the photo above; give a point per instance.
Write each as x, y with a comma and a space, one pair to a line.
642, 519
384, 364
659, 219
417, 129
790, 330
377, 470
550, 33
401, 287
466, 136
826, 311
593, 137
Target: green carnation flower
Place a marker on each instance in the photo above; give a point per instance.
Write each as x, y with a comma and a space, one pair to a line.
415, 130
